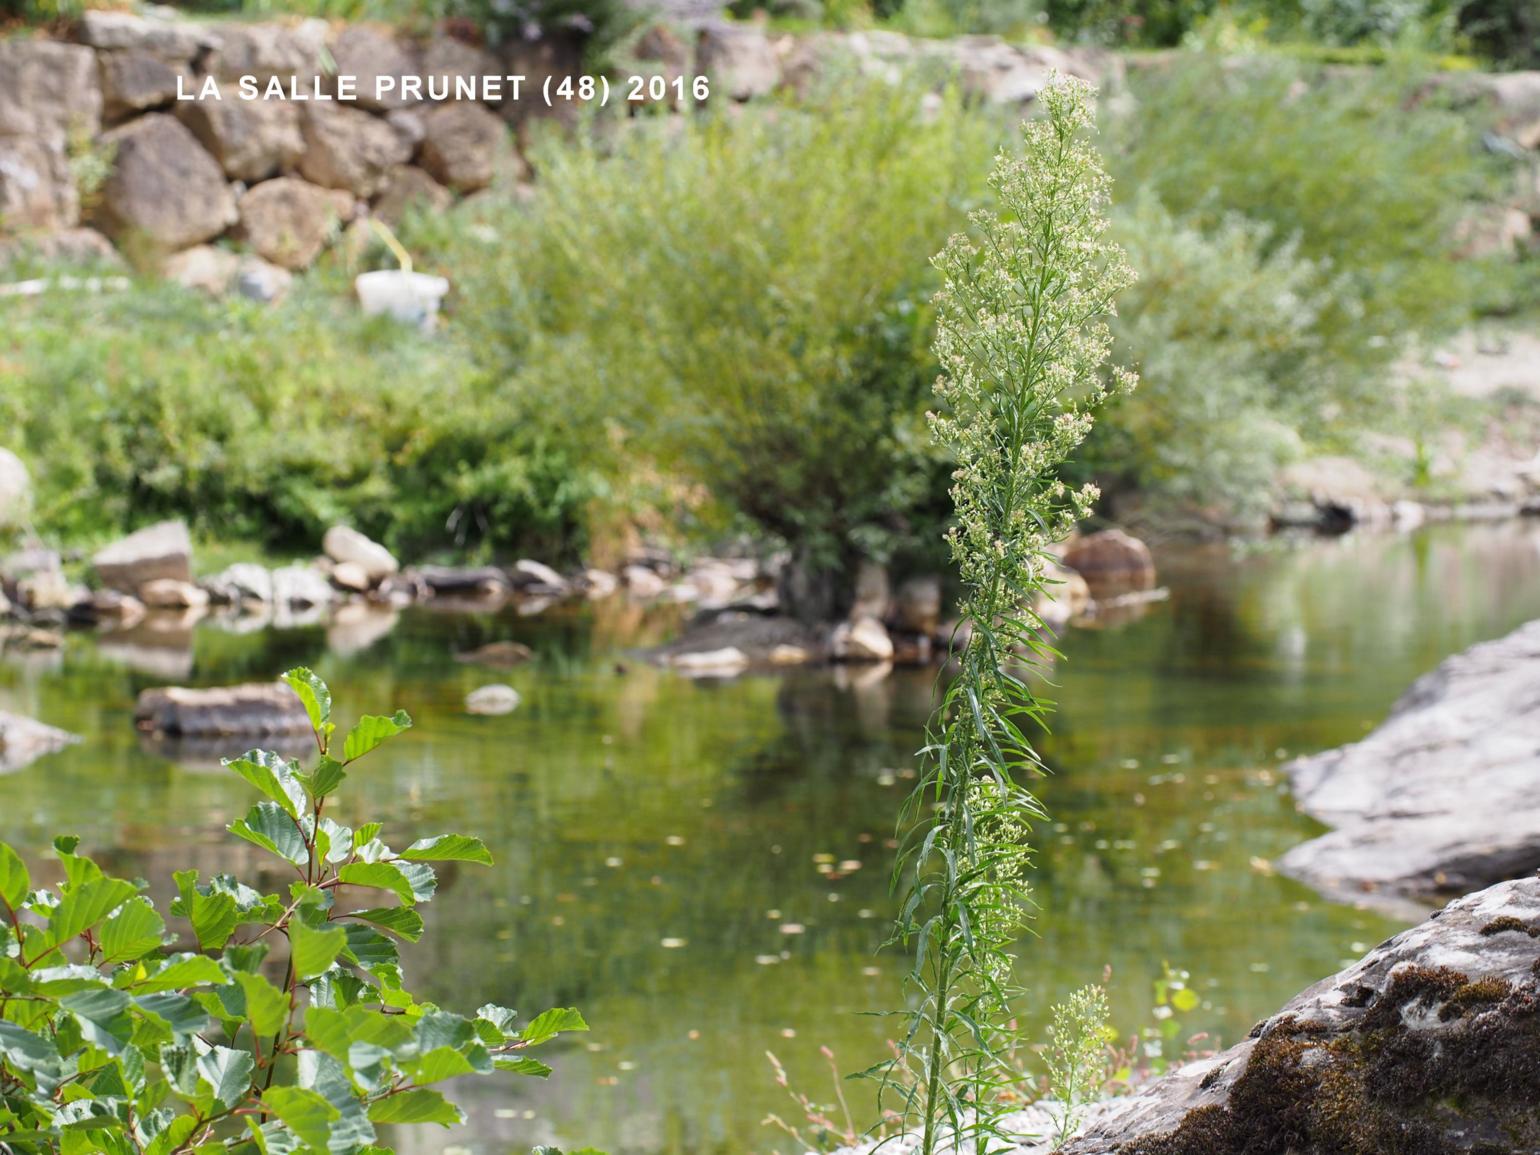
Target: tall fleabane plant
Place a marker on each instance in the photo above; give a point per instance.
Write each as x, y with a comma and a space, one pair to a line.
1023, 346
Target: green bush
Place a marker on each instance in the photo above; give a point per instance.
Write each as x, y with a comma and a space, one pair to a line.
270, 424
114, 1041
1336, 165
746, 297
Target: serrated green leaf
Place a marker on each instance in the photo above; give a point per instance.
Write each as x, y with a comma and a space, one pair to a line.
274, 776
268, 826
416, 1107
86, 905
227, 1072
101, 1016
314, 949
213, 915
267, 1007
179, 972
315, 697
133, 932
15, 882
448, 848
183, 1016
304, 1112
399, 920
533, 1068
325, 778
448, 1063
25, 1051
371, 730
552, 1023
411, 882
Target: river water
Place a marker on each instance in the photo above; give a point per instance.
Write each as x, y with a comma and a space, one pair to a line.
702, 866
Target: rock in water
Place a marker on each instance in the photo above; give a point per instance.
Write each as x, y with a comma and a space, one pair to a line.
23, 740
1112, 563
863, 640
344, 544
493, 699
1442, 797
157, 551
253, 710
1429, 1044
497, 654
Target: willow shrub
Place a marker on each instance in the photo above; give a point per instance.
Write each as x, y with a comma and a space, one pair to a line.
744, 296
1023, 345
158, 402
287, 1029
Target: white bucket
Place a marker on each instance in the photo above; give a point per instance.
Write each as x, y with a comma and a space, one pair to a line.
412, 298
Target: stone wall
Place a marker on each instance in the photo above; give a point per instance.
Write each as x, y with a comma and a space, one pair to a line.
99, 154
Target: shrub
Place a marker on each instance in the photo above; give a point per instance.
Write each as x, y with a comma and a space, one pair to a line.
113, 1040
272, 423
1337, 165
744, 296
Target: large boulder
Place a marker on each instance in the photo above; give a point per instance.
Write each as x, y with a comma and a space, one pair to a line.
1112, 563
378, 60
78, 246
1441, 797
48, 91
739, 59
37, 190
1331, 494
289, 221
917, 604
251, 139
345, 545
862, 640
463, 145
23, 740
346, 148
164, 187
163, 550
253, 710
15, 490
1430, 1043
134, 81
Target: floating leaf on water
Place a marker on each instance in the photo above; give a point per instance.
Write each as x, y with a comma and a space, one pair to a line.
767, 960
672, 943
675, 840
792, 928
613, 863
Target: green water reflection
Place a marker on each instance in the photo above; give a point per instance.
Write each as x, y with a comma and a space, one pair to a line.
628, 807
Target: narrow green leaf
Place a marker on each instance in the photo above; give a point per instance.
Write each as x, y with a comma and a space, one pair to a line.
314, 950
370, 731
448, 848
416, 1107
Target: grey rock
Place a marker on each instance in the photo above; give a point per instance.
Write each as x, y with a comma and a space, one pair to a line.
343, 544
1111, 562
917, 604
165, 188
163, 550
1418, 1046
202, 267
170, 39
266, 51
537, 577
48, 90
289, 221
408, 187
379, 61
493, 699
37, 190
242, 582
346, 148
77, 246
254, 710
863, 640
251, 139
1441, 797
24, 740
740, 60
463, 146
134, 81
299, 585
257, 280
